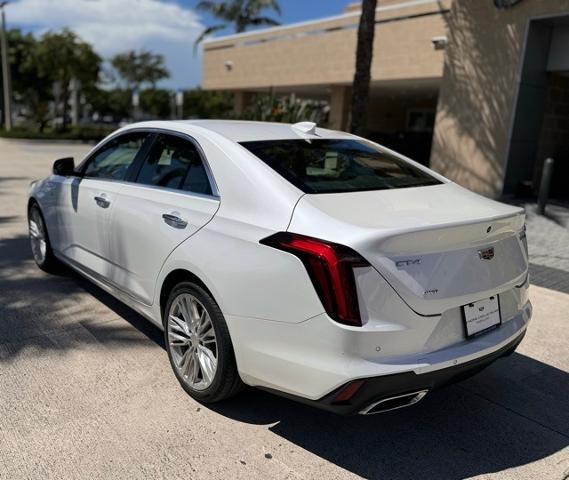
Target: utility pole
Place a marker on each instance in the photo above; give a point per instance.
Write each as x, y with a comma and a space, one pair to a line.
179, 103
135, 99
75, 101
6, 72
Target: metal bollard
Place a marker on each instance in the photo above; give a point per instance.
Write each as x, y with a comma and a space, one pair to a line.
545, 185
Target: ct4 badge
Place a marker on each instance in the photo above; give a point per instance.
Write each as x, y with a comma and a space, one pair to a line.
408, 263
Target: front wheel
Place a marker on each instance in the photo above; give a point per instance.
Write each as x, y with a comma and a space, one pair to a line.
199, 346
39, 241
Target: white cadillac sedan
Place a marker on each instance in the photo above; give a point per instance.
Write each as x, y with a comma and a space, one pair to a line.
304, 261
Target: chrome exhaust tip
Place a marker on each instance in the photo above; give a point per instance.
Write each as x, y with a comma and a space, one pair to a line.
394, 403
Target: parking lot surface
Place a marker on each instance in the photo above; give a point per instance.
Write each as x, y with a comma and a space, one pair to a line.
86, 389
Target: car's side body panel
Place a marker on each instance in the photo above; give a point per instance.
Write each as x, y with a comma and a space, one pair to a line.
255, 202
84, 208
240, 273
142, 239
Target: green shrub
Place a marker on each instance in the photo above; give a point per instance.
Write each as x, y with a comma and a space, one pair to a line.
288, 109
86, 133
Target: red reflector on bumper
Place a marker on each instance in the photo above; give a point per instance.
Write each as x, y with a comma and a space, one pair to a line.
347, 392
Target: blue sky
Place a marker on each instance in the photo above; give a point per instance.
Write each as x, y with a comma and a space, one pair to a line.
292, 10
168, 27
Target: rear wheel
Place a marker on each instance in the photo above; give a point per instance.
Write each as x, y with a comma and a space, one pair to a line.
199, 346
39, 241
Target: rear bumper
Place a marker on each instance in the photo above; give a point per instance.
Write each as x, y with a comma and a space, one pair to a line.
375, 389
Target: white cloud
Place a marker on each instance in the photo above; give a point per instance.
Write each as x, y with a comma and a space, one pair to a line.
113, 26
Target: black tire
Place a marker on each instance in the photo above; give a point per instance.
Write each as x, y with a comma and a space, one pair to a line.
226, 381
49, 263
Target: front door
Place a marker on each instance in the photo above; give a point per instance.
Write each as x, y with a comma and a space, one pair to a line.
85, 203
172, 198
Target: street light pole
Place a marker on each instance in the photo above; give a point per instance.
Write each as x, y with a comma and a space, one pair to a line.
6, 73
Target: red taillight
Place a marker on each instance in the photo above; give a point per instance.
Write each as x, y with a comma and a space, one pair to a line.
331, 269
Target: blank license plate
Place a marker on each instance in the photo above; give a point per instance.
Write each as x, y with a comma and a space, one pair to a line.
481, 315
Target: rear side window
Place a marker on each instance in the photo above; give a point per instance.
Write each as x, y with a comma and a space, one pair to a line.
174, 162
197, 180
335, 166
114, 158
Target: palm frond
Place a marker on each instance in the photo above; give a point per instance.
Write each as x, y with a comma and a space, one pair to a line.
262, 21
270, 4
240, 13
222, 10
205, 33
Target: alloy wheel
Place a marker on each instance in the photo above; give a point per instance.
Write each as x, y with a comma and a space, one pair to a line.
37, 236
192, 341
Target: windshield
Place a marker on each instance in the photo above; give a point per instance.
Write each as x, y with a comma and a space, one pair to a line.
335, 166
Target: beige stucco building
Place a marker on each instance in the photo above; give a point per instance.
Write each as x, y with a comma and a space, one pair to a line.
478, 92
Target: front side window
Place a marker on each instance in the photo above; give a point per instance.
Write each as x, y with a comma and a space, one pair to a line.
336, 166
115, 157
174, 162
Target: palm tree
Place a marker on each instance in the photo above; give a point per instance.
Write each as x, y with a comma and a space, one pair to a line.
362, 77
239, 13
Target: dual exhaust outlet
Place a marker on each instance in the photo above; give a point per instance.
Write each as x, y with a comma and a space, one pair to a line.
394, 403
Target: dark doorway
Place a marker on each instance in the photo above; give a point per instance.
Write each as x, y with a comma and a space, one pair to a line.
541, 124
554, 135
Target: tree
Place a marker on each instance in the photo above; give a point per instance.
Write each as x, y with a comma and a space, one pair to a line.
362, 76
63, 57
156, 102
207, 104
31, 88
138, 68
115, 103
241, 14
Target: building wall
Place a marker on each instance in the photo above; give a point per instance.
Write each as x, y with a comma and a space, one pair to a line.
477, 101
323, 53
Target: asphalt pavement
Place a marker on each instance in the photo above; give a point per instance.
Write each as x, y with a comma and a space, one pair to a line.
86, 390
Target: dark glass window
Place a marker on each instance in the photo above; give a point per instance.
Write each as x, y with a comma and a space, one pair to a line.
197, 180
115, 157
335, 166
175, 163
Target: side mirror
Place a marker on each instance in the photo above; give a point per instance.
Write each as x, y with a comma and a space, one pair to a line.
64, 167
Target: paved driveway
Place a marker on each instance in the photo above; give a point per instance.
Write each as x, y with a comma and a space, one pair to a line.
86, 392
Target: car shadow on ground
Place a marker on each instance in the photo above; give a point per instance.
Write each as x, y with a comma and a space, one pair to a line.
487, 424
35, 305
549, 277
512, 414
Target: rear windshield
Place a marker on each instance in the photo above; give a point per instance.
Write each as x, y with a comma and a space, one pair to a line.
335, 166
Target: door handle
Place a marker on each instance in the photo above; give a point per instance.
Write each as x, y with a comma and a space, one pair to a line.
102, 201
174, 221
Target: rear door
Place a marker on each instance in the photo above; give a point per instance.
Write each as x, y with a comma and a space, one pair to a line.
85, 203
172, 197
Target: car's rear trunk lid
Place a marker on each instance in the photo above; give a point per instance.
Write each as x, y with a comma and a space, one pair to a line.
439, 246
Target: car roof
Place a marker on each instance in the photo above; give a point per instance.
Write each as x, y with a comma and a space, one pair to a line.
246, 131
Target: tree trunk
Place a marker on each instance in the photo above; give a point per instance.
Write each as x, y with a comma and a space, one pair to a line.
362, 77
